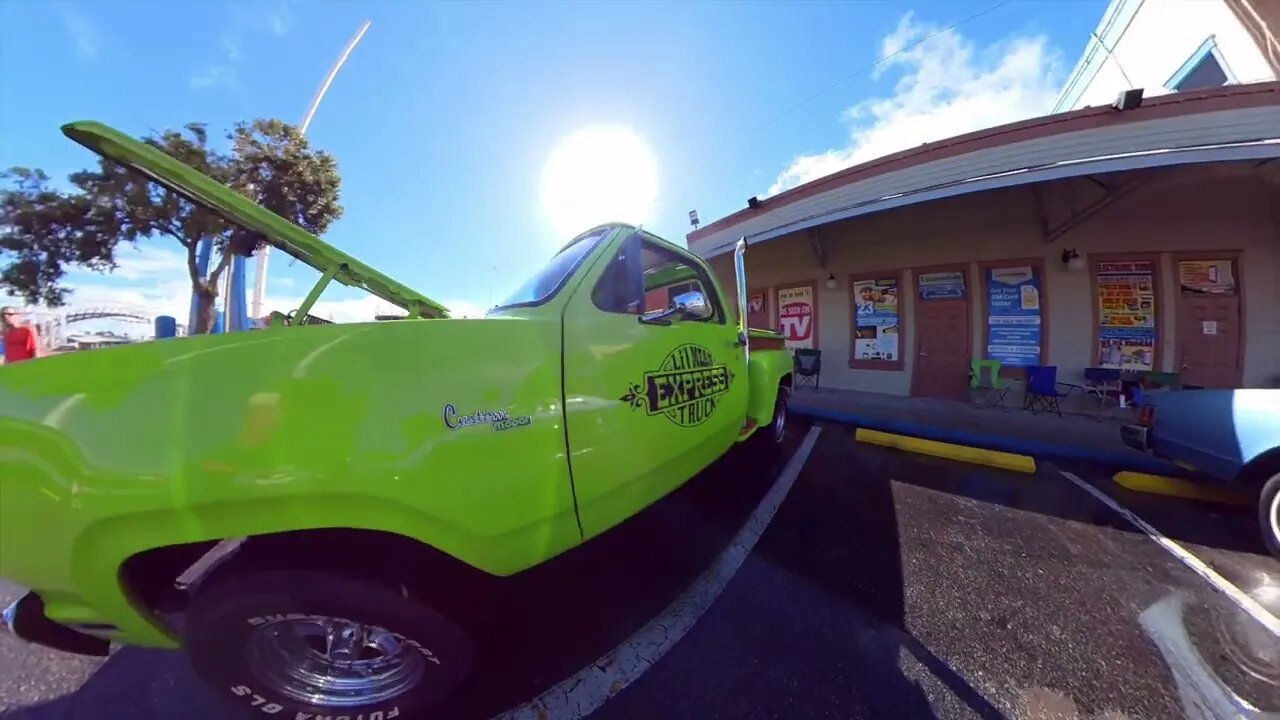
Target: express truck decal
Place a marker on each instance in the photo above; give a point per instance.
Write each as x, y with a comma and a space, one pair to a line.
686, 387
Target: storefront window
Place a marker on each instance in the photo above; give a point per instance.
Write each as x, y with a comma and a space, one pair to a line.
1015, 318
798, 315
1126, 314
877, 343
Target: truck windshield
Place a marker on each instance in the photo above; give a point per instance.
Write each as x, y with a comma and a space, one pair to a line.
547, 282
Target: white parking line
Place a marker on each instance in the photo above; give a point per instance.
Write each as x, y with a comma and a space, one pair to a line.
589, 688
1238, 596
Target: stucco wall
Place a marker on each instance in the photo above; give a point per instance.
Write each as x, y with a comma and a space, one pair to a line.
1189, 209
1151, 39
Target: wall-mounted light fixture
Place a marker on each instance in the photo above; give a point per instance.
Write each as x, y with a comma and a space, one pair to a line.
1072, 261
831, 282
1128, 99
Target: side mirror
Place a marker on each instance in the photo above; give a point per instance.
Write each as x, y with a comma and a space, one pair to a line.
692, 305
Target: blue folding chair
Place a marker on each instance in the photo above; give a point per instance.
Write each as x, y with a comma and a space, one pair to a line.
1042, 390
808, 368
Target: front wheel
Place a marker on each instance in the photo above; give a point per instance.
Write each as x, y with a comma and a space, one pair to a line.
1269, 514
303, 643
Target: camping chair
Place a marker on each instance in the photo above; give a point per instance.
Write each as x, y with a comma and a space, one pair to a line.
1104, 384
984, 377
1161, 381
808, 368
1042, 390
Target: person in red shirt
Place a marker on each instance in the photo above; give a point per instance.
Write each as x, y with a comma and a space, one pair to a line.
20, 341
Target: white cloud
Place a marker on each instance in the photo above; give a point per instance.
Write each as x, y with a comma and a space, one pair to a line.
948, 87
84, 33
213, 76
279, 21
464, 309
147, 262
230, 46
247, 19
155, 282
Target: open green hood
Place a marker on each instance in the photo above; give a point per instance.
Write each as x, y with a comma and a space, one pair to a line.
234, 207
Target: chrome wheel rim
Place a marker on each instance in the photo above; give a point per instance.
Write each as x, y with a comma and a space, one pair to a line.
1275, 516
334, 662
779, 421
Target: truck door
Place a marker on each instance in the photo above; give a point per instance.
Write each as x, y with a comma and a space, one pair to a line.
652, 395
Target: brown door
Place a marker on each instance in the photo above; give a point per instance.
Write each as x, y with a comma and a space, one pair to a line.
1209, 341
942, 349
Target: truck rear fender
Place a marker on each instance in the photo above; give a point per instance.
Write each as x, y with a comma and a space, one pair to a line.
767, 370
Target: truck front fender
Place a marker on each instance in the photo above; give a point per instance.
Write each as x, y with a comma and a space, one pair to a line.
109, 543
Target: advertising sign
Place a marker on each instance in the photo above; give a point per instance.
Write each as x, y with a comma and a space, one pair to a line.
796, 316
1206, 277
1126, 315
1013, 316
758, 310
940, 285
875, 326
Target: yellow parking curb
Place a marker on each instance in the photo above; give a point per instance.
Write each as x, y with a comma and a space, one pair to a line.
962, 453
1142, 482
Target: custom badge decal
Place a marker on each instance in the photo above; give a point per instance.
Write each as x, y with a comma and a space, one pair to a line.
686, 388
499, 419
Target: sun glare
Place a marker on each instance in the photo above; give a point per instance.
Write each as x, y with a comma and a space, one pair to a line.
599, 174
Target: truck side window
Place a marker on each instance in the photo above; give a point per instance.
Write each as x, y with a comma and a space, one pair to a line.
665, 276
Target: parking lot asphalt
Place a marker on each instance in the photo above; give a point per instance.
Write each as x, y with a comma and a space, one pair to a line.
887, 585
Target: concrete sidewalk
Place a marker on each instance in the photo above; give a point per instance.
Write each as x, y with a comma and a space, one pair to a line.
1092, 438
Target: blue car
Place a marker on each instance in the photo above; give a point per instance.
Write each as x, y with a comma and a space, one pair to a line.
1231, 436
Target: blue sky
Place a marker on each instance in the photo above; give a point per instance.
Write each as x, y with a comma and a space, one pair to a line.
445, 116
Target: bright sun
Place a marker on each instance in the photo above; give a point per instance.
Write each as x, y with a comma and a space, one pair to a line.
599, 174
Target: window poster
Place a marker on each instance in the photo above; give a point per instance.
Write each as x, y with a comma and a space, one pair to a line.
1013, 315
796, 316
1126, 315
1206, 277
941, 285
875, 325
758, 310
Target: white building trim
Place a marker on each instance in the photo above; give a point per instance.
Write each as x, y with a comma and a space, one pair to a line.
1261, 151
1067, 153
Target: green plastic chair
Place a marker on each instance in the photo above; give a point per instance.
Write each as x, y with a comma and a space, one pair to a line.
1161, 381
985, 380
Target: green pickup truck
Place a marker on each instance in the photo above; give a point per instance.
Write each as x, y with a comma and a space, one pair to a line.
314, 511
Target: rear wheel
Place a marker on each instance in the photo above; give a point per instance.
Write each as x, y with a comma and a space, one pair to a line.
1269, 514
765, 445
299, 643
778, 428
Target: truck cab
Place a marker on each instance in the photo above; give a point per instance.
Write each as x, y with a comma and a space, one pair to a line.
315, 502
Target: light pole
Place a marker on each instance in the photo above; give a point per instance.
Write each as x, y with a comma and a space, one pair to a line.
260, 279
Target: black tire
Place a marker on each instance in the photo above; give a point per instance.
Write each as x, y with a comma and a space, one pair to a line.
232, 628
766, 443
1269, 514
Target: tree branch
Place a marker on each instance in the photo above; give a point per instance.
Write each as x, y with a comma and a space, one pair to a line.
223, 262
169, 228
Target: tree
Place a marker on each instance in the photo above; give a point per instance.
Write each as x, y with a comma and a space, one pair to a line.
43, 231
